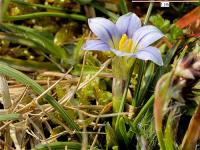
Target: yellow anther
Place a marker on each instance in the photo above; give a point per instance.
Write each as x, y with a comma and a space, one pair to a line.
125, 44
122, 41
129, 45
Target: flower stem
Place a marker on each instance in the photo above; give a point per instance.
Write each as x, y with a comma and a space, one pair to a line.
124, 95
117, 91
121, 68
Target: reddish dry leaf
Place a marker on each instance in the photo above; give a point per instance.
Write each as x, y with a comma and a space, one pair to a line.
191, 21
189, 18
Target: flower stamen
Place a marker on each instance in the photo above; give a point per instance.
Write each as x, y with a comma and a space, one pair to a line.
125, 44
129, 45
122, 41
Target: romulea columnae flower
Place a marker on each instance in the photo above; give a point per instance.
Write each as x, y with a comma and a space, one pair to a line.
125, 38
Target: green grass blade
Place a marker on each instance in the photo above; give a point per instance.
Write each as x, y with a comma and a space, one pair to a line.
123, 6
168, 136
36, 37
110, 14
27, 65
7, 117
59, 146
122, 129
46, 14
17, 39
159, 71
142, 67
144, 109
4, 8
111, 139
147, 79
77, 50
20, 77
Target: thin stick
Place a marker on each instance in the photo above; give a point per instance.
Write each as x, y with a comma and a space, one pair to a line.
52, 86
95, 139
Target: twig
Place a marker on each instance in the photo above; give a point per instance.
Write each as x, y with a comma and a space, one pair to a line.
95, 139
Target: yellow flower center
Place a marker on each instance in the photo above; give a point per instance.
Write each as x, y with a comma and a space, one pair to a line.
125, 44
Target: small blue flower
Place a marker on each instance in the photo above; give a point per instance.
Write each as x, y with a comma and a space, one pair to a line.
125, 38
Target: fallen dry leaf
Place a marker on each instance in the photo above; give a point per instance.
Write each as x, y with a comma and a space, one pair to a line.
191, 21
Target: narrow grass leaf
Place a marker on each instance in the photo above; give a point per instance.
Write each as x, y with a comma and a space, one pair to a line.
122, 129
140, 115
162, 99
142, 66
123, 6
4, 9
27, 65
46, 14
147, 79
169, 137
110, 14
111, 139
7, 117
59, 146
77, 50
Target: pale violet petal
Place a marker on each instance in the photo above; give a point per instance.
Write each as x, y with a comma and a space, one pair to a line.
105, 30
143, 32
120, 53
128, 24
96, 45
150, 53
149, 39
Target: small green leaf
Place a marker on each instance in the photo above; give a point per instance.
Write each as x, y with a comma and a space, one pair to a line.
7, 117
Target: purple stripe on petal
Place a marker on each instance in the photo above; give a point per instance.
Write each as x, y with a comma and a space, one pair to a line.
96, 45
120, 53
144, 31
150, 53
149, 38
128, 24
105, 30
